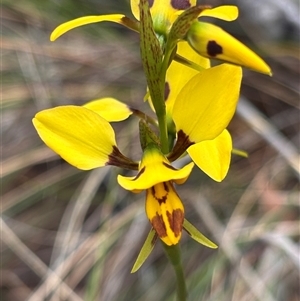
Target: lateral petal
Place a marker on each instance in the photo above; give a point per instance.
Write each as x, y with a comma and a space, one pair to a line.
206, 104
79, 135
109, 108
178, 74
212, 41
224, 12
67, 26
213, 156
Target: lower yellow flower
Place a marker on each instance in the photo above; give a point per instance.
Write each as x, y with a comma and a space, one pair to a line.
165, 212
163, 206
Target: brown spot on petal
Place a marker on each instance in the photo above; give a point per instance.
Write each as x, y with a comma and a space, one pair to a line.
180, 4
176, 221
213, 48
159, 225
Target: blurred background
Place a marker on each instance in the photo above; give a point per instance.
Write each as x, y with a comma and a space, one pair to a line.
74, 235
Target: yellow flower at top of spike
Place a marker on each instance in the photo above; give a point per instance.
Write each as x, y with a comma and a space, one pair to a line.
206, 39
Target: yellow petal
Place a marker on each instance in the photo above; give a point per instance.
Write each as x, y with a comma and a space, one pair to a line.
65, 27
165, 212
213, 156
154, 168
178, 74
78, 135
224, 12
109, 108
213, 42
206, 104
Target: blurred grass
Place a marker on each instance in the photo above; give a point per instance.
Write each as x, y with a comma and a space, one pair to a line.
73, 235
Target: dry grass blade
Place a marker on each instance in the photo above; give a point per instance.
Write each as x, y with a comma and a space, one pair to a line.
263, 127
33, 262
257, 287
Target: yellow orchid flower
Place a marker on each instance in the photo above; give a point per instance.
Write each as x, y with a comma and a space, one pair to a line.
206, 39
163, 206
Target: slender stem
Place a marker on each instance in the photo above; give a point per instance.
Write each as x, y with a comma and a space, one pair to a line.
162, 119
174, 256
163, 131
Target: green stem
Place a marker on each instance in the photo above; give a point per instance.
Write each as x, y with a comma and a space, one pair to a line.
162, 119
174, 256
163, 131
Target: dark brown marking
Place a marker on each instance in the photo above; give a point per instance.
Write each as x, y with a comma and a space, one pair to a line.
180, 4
153, 191
213, 48
162, 199
166, 187
151, 3
182, 143
116, 158
140, 173
169, 166
159, 225
176, 221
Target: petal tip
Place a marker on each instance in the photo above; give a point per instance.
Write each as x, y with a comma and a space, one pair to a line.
53, 37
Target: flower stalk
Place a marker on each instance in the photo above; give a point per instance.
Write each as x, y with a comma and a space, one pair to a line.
173, 253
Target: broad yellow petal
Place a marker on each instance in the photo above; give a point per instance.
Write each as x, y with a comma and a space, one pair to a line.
224, 12
67, 26
206, 104
213, 42
79, 135
165, 212
109, 108
213, 156
178, 74
154, 168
